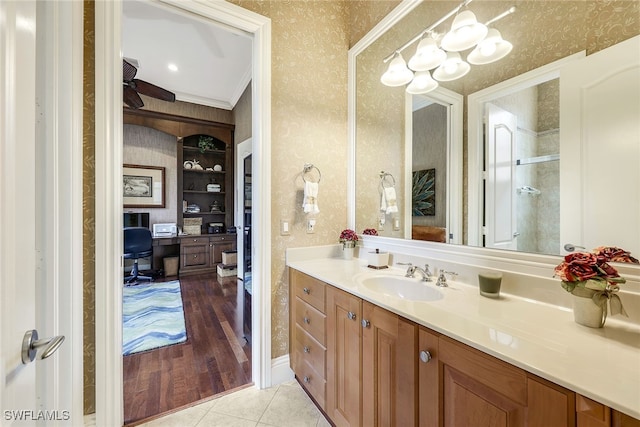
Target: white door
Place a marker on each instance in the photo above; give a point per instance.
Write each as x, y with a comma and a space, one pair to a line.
500, 158
39, 245
600, 117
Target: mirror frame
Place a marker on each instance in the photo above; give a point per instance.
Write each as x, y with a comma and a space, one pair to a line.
537, 265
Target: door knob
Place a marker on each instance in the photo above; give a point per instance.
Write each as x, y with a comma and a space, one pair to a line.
31, 344
425, 356
351, 315
365, 323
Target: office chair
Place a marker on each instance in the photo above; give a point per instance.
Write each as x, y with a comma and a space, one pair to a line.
138, 243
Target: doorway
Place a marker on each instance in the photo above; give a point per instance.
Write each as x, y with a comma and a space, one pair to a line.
109, 196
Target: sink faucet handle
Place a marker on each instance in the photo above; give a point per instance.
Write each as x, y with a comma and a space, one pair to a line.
450, 273
410, 269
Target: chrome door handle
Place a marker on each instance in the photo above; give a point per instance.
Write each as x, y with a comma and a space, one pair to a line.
31, 344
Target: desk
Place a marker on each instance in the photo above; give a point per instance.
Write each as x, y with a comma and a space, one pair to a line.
164, 247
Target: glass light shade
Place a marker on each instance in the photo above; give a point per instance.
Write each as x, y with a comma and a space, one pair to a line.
428, 55
422, 83
397, 73
491, 49
465, 32
452, 68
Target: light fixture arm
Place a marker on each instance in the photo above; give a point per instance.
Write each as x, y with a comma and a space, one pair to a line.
502, 15
426, 30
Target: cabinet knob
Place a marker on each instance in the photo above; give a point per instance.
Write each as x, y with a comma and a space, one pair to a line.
365, 323
307, 320
351, 315
307, 379
306, 349
195, 240
306, 291
195, 256
425, 356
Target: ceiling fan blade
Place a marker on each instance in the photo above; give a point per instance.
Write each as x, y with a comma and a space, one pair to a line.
154, 91
131, 98
128, 71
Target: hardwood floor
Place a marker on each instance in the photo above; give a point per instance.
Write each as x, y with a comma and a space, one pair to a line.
215, 358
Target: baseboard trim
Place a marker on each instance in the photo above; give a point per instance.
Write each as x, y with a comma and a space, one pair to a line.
280, 370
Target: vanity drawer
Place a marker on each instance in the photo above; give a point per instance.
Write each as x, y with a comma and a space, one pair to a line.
194, 258
310, 320
313, 382
309, 289
307, 349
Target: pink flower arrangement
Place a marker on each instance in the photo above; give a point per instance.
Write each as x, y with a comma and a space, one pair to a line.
370, 232
348, 236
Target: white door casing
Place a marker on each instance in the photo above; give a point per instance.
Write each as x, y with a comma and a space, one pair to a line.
41, 208
599, 110
243, 150
108, 191
500, 182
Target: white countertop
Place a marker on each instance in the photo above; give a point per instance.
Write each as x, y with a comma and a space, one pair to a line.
602, 364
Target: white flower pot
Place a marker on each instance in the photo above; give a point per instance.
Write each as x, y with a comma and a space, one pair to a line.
586, 312
348, 248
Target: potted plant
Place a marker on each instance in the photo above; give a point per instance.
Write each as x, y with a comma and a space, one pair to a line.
348, 238
592, 281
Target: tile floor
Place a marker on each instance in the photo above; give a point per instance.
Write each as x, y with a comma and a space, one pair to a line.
286, 405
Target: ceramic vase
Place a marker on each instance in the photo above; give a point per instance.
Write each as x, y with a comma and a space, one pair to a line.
585, 311
348, 247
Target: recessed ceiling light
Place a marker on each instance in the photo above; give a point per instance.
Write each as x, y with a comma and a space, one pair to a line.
172, 67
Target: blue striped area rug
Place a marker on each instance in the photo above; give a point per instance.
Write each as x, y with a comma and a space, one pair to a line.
152, 316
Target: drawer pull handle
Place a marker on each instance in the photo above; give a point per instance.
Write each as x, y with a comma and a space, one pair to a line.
306, 349
307, 320
365, 323
306, 291
307, 379
425, 356
351, 315
195, 256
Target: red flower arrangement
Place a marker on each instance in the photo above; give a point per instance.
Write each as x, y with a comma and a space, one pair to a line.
587, 270
614, 254
348, 235
370, 232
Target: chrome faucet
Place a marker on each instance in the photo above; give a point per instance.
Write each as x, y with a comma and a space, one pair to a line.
411, 270
442, 278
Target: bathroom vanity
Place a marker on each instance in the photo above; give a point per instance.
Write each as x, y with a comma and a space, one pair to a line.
449, 357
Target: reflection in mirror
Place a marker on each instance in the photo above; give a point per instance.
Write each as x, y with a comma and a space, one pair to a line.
541, 33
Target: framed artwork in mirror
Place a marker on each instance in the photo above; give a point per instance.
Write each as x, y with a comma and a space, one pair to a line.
424, 192
143, 186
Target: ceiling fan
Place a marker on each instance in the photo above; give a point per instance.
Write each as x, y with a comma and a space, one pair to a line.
134, 86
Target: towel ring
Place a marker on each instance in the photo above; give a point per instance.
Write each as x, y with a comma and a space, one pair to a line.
383, 178
308, 167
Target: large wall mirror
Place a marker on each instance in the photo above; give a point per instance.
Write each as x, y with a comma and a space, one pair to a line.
441, 160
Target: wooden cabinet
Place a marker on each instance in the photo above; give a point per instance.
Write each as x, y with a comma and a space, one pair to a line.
200, 254
205, 180
481, 390
590, 413
388, 368
366, 366
344, 355
307, 337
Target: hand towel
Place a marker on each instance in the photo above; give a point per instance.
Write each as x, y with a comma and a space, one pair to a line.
389, 195
310, 200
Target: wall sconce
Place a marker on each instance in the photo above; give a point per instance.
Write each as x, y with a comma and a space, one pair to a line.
445, 60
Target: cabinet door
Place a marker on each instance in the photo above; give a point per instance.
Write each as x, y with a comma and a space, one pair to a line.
388, 368
480, 390
429, 390
344, 346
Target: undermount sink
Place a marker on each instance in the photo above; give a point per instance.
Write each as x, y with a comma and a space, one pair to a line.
401, 287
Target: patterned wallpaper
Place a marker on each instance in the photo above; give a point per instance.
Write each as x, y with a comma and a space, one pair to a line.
88, 207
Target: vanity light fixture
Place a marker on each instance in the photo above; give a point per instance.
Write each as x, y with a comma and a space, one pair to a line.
397, 73
466, 32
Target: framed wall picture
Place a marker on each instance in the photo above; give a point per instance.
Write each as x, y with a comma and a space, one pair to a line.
143, 186
424, 192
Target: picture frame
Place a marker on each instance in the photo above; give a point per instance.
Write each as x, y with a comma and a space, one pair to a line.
143, 186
